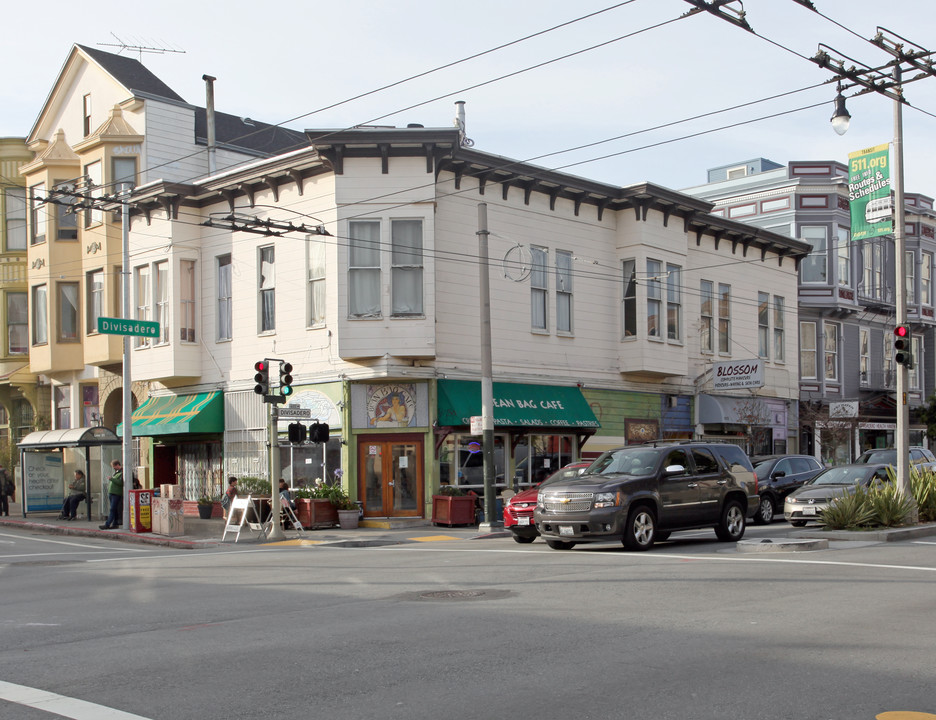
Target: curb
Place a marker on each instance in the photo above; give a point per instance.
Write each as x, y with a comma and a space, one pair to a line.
131, 537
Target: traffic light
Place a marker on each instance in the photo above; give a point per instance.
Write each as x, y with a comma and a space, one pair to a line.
262, 378
903, 346
296, 433
318, 433
285, 384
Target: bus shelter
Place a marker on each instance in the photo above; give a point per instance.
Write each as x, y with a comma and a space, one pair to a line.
49, 458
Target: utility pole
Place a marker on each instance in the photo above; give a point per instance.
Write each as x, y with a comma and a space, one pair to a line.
127, 460
487, 377
914, 57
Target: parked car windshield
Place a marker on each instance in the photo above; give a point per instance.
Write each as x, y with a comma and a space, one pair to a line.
841, 476
626, 461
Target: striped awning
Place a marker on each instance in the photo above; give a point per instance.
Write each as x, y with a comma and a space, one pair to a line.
198, 413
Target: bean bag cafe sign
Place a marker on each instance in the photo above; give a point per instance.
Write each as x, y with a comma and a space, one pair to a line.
738, 374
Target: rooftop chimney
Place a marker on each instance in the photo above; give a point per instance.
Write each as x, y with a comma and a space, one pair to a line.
210, 112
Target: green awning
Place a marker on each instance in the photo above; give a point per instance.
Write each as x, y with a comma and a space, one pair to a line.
179, 415
516, 405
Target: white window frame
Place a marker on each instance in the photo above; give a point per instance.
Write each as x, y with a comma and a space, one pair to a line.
38, 214
913, 374
707, 316
17, 322
723, 301
831, 333
808, 350
364, 272
266, 289
674, 303
864, 356
564, 292
654, 286
888, 364
143, 298
315, 262
539, 289
779, 334
94, 289
95, 180
910, 268
763, 325
406, 269
161, 294
187, 297
15, 214
926, 278
225, 305
69, 312
844, 256
629, 299
86, 126
818, 237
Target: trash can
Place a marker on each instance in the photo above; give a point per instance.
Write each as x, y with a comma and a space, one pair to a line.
141, 511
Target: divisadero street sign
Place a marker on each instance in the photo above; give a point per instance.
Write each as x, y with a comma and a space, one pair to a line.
119, 326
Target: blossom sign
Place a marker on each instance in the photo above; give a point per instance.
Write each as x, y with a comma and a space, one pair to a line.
738, 374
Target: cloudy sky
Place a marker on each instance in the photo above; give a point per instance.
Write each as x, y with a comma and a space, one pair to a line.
610, 80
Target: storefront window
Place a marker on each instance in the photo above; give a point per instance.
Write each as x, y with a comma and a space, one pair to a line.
539, 456
303, 465
461, 461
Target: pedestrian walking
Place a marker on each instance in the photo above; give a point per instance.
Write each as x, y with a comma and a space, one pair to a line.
7, 491
76, 490
115, 489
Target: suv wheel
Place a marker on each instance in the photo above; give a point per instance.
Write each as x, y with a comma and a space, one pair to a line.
640, 530
765, 511
523, 539
731, 526
560, 544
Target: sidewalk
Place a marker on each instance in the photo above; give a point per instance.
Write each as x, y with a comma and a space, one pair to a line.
207, 533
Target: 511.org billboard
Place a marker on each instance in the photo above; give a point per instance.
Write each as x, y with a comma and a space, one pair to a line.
869, 193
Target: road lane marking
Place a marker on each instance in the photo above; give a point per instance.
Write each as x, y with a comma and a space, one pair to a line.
61, 705
72, 544
665, 556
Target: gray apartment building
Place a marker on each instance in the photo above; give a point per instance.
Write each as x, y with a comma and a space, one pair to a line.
846, 299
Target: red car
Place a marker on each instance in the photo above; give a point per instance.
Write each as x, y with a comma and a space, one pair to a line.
518, 512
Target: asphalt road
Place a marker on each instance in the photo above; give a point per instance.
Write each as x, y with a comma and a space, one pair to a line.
102, 630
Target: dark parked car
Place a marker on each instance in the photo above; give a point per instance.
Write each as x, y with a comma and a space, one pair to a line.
920, 457
518, 512
777, 477
806, 504
641, 494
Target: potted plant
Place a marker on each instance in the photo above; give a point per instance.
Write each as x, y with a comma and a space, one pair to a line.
205, 507
453, 506
348, 511
314, 508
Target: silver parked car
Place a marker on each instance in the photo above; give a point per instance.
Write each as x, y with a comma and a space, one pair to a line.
805, 505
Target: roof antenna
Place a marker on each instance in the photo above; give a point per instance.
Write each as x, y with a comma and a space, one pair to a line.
139, 49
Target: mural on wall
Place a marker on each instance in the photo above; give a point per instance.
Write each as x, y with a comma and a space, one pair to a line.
323, 408
391, 405
638, 431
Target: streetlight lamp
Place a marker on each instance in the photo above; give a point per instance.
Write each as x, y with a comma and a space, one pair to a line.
840, 118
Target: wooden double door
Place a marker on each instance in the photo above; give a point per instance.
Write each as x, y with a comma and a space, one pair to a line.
391, 472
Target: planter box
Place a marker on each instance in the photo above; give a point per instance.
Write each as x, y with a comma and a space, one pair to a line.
453, 510
190, 509
316, 512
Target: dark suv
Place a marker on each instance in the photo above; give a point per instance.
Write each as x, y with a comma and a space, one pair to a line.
641, 494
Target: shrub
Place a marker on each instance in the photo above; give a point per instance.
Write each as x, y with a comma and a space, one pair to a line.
848, 512
253, 486
888, 506
923, 487
451, 490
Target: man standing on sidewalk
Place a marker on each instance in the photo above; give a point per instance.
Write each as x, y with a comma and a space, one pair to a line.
115, 493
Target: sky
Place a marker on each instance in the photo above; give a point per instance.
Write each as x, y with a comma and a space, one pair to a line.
302, 63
